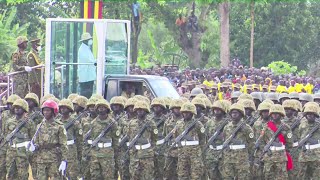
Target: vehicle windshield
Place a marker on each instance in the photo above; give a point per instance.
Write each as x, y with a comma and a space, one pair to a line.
163, 88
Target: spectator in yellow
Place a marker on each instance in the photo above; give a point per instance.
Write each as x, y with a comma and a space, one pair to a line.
246, 83
292, 87
309, 87
208, 82
299, 86
281, 88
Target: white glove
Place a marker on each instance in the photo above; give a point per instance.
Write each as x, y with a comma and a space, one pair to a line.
31, 147
63, 167
28, 68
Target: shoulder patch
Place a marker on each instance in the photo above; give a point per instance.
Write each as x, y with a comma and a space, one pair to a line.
155, 131
118, 133
289, 135
202, 130
251, 135
80, 131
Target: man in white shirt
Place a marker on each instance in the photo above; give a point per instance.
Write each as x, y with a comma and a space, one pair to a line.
86, 73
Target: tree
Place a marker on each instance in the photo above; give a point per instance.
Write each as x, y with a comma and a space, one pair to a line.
252, 32
224, 33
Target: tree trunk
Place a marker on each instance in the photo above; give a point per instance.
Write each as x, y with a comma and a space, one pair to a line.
252, 33
135, 38
224, 33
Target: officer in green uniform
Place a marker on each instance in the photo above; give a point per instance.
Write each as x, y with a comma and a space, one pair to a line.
201, 107
33, 102
17, 158
34, 79
20, 63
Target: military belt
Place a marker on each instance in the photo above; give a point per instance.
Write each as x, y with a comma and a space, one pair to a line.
160, 141
144, 146
19, 145
295, 144
310, 147
101, 145
189, 143
70, 142
216, 148
236, 147
275, 148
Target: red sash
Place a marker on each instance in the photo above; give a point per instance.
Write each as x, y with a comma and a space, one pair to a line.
281, 138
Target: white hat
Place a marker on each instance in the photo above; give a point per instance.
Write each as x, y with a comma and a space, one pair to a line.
85, 36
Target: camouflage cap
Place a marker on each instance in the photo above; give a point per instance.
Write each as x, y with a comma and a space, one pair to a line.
141, 105
203, 96
312, 103
92, 101
184, 99
46, 97
311, 109
139, 98
268, 101
247, 104
305, 97
265, 87
283, 95
199, 102
250, 87
316, 96
294, 95
219, 105
245, 96
256, 95
189, 107
227, 105
196, 91
72, 96
207, 103
237, 85
273, 88
21, 39
67, 103
272, 96
235, 94
277, 108
239, 107
176, 103
102, 102
298, 104
130, 102
97, 96
224, 85
117, 100
215, 86
264, 106
32, 96
290, 104
167, 101
159, 102
21, 103
81, 101
12, 98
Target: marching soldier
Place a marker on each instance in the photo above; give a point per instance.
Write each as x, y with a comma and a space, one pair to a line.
80, 105
158, 106
102, 163
20, 63
17, 154
50, 145
277, 161
33, 103
249, 108
74, 138
34, 79
236, 159
171, 157
212, 160
200, 107
142, 154
309, 156
190, 162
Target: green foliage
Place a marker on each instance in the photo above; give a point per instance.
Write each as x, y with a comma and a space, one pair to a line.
281, 68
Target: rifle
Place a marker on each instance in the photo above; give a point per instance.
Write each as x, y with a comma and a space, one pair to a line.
136, 137
215, 135
35, 134
273, 138
296, 123
10, 136
185, 132
308, 136
251, 123
71, 123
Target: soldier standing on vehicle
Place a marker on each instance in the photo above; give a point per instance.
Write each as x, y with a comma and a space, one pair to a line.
309, 156
171, 157
74, 138
190, 160
17, 155
102, 163
277, 160
20, 63
50, 145
34, 79
142, 155
238, 156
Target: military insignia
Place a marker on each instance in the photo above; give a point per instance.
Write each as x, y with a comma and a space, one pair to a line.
11, 127
289, 135
202, 130
251, 135
155, 131
45, 137
118, 133
80, 131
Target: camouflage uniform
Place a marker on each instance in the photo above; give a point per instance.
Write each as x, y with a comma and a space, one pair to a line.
309, 159
74, 142
19, 61
17, 154
142, 155
171, 157
102, 163
190, 160
52, 149
212, 159
236, 158
34, 79
275, 163
295, 137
